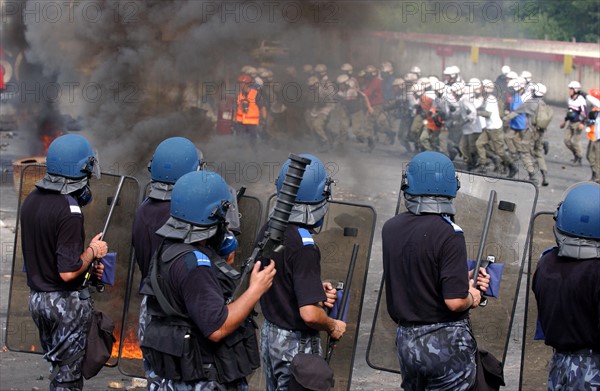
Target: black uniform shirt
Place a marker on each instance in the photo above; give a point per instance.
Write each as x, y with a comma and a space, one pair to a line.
149, 217
424, 262
567, 291
297, 282
52, 238
197, 291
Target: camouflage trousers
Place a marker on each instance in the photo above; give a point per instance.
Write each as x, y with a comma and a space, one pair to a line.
171, 385
572, 139
575, 371
151, 376
278, 347
438, 356
63, 320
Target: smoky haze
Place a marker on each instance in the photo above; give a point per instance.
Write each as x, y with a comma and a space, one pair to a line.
136, 72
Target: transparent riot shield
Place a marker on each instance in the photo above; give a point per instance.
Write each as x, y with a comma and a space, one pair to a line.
345, 225
21, 331
130, 362
535, 355
507, 239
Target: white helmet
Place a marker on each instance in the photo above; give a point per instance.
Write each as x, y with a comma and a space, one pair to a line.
512, 75
346, 67
370, 69
458, 88
475, 84
351, 83
526, 75
447, 71
263, 72
251, 71
343, 78
312, 80
433, 80
488, 85
575, 85
398, 82
415, 69
416, 89
259, 81
505, 69
320, 68
412, 77
455, 70
517, 84
540, 90
424, 81
245, 69
386, 66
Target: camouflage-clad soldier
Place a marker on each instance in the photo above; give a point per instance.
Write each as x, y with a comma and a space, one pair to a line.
400, 110
576, 115
428, 291
56, 258
492, 136
322, 96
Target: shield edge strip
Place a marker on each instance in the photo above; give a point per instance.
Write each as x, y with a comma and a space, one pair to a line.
527, 296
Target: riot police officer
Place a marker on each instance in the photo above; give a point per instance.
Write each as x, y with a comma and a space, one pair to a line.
56, 258
293, 307
197, 338
427, 283
566, 285
172, 158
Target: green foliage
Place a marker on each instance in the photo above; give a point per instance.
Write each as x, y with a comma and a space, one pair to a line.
559, 20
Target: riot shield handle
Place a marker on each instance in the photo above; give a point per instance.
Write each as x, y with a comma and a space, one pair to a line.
342, 309
482, 240
88, 274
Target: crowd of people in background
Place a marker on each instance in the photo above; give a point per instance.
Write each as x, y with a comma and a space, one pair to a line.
488, 126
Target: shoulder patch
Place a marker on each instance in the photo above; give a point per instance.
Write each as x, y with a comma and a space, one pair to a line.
202, 259
454, 225
195, 259
307, 238
73, 205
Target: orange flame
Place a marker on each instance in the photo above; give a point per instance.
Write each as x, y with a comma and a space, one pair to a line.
131, 346
48, 138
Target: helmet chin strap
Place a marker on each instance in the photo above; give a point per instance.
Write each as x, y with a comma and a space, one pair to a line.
419, 205
577, 248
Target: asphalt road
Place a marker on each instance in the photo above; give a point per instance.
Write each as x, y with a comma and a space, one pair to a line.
369, 178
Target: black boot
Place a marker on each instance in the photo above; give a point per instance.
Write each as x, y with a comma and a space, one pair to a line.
544, 180
512, 170
532, 178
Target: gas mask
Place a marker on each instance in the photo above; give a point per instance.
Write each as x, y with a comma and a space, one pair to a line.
83, 195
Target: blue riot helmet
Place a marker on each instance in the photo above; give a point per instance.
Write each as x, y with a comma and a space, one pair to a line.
71, 156
173, 158
315, 190
200, 198
430, 174
315, 185
579, 214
